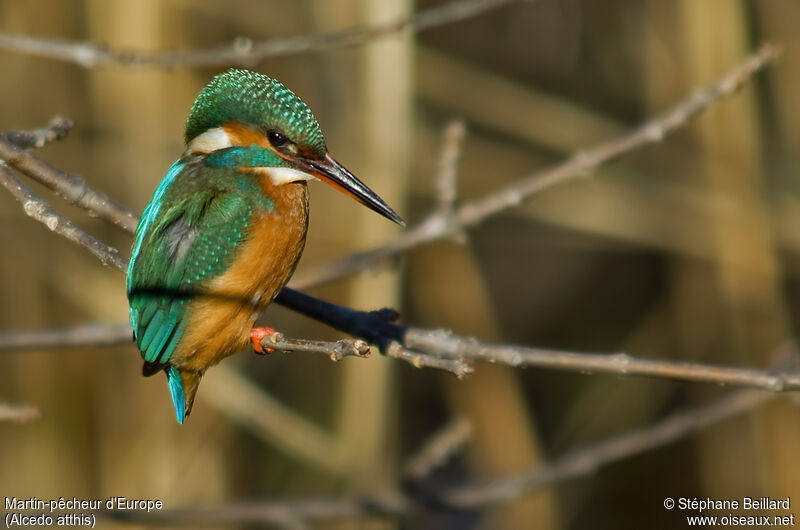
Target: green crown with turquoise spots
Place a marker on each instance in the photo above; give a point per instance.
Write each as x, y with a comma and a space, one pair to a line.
255, 100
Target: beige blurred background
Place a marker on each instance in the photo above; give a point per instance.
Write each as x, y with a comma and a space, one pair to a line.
686, 250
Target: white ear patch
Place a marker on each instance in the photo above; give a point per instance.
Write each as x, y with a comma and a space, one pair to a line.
210, 141
282, 175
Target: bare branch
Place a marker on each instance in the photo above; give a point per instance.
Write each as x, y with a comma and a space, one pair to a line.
19, 413
587, 461
441, 343
375, 327
336, 350
573, 465
57, 129
442, 226
71, 188
243, 51
36, 207
436, 348
447, 182
421, 359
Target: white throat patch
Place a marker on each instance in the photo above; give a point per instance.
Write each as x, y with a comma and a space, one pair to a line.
210, 141
282, 175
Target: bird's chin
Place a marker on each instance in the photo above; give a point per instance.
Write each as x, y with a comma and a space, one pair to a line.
282, 175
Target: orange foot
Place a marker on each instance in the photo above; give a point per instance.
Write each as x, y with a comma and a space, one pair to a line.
256, 334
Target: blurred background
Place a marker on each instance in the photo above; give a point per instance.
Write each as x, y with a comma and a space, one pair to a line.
685, 250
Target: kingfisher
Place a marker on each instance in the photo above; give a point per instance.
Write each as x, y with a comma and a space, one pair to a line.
225, 228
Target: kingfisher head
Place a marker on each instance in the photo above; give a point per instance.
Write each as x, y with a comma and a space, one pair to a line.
244, 119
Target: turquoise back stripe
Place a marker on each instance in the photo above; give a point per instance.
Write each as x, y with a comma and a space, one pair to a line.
148, 216
151, 212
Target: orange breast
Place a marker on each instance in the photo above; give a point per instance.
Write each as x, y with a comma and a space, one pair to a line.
219, 324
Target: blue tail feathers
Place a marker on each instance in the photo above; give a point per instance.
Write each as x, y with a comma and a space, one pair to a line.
176, 389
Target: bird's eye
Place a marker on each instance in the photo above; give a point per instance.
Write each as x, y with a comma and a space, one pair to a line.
281, 143
277, 139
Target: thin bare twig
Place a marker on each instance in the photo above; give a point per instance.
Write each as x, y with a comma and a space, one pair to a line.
447, 179
447, 183
583, 462
576, 464
441, 225
57, 129
420, 359
36, 207
587, 461
71, 188
19, 413
243, 51
336, 350
440, 343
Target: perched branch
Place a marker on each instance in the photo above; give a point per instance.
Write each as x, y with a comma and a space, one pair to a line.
440, 343
435, 349
443, 225
573, 465
443, 350
19, 413
243, 51
375, 327
336, 350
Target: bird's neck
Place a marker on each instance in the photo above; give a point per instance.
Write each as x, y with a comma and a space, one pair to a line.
289, 199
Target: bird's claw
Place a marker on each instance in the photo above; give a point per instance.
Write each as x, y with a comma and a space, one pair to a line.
257, 335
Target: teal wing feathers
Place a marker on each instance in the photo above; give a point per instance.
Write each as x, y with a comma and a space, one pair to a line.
185, 239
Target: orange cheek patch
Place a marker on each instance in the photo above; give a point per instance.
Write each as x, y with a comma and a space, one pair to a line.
243, 135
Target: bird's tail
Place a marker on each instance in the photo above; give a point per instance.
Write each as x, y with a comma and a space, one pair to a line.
183, 387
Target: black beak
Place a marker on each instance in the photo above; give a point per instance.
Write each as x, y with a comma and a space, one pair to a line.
335, 174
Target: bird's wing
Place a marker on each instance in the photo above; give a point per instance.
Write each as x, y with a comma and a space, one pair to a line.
181, 249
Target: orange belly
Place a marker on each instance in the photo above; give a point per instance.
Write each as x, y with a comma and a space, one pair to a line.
218, 324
